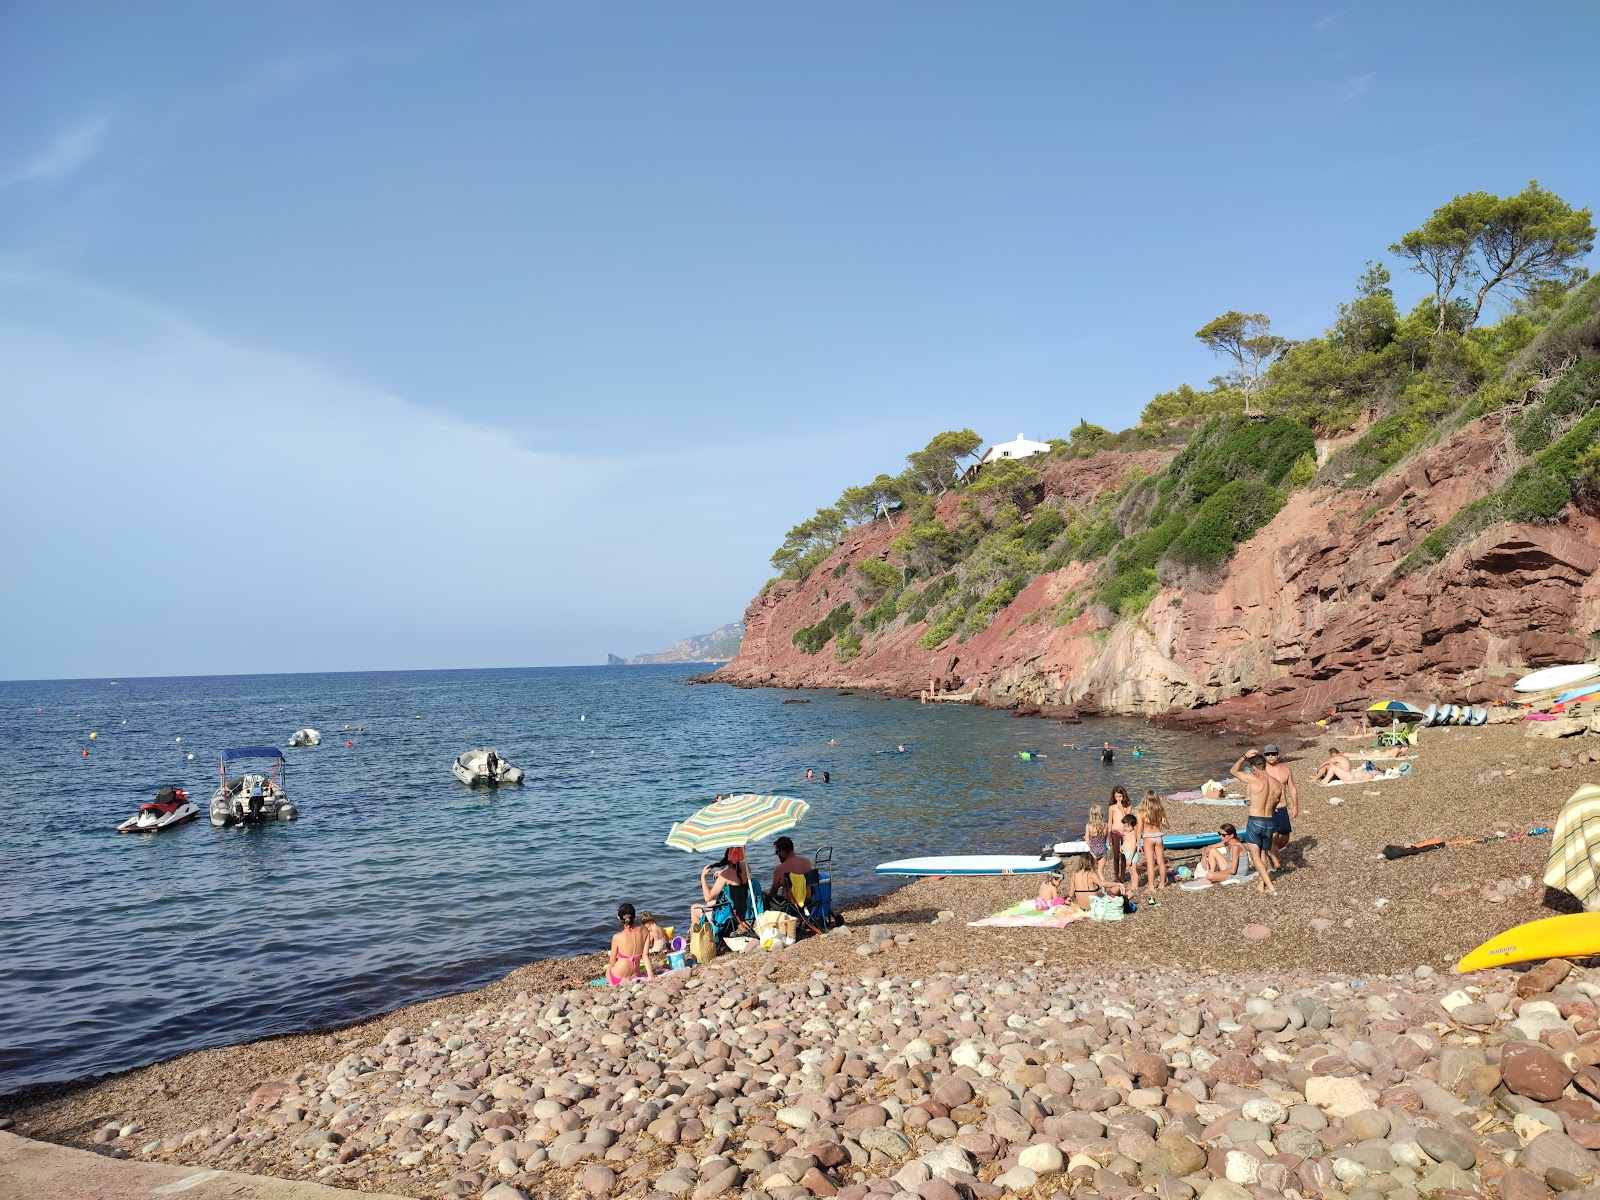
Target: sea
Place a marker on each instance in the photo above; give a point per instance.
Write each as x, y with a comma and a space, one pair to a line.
398, 884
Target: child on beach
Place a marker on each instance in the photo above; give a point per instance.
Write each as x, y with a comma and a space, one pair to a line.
1128, 851
1121, 806
1049, 892
1094, 833
1152, 828
655, 936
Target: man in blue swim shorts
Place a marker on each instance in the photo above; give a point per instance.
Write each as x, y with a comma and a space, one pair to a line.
1262, 792
1288, 809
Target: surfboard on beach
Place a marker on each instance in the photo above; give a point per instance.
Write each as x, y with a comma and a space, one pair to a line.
1551, 678
1172, 841
971, 864
1576, 935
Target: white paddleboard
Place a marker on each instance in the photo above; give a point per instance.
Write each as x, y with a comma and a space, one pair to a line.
1558, 677
971, 864
1071, 847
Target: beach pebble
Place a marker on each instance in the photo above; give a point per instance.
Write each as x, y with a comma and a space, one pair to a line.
1255, 933
1042, 1159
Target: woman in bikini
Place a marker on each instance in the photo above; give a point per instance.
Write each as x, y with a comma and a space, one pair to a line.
1087, 883
732, 876
629, 949
1121, 806
1152, 828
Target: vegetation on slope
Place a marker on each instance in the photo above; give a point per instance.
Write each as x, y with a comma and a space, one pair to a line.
1250, 438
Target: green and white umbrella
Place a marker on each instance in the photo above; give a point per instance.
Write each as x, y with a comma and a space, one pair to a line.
736, 820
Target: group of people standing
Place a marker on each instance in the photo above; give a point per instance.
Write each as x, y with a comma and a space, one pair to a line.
1124, 837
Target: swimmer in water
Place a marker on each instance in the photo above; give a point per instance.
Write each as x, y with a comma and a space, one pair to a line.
833, 741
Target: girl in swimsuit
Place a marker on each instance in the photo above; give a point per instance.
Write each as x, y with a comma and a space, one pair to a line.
1049, 893
1094, 833
1152, 828
655, 937
1121, 806
628, 950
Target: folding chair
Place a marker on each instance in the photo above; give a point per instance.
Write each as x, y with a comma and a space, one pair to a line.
735, 912
808, 897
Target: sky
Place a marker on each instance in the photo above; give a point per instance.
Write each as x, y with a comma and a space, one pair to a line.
405, 335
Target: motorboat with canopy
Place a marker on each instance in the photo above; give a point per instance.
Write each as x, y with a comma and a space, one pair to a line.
252, 797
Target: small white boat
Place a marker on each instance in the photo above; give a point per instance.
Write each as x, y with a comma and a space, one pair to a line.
305, 737
485, 768
252, 798
1552, 678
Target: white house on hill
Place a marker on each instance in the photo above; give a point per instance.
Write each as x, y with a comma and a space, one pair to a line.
1021, 448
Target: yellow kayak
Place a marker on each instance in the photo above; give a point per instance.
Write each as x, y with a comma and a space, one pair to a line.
1574, 936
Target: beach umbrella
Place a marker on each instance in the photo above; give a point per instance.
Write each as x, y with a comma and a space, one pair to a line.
1571, 865
1397, 707
735, 820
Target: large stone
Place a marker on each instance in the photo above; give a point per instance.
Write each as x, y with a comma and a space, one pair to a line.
1445, 1147
1517, 1184
1224, 1189
1366, 1124
1018, 1179
1042, 1159
1543, 977
1242, 1168
887, 1141
504, 1191
1187, 1156
1456, 1065
952, 1090
1557, 1151
597, 1180
1337, 1097
1235, 1068
946, 1160
1533, 1071
1446, 1177
724, 1180
796, 1118
868, 1116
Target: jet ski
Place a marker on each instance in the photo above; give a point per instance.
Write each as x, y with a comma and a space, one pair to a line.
478, 768
305, 737
251, 798
171, 806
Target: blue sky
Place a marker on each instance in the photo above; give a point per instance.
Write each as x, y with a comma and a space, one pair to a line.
412, 335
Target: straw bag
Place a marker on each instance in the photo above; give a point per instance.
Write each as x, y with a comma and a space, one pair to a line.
703, 942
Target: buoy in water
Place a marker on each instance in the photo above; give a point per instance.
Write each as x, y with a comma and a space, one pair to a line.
349, 743
92, 736
347, 727
191, 756
86, 754
177, 739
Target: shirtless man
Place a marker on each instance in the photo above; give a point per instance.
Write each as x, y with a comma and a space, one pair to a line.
1288, 810
1261, 792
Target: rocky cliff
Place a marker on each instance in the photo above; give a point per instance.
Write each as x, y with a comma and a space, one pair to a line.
720, 645
1310, 612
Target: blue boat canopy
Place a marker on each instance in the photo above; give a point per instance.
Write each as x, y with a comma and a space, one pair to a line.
251, 752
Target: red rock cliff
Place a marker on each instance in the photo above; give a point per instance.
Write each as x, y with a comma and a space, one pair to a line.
1310, 612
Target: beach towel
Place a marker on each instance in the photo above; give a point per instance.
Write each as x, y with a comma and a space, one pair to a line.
1399, 772
1031, 918
1200, 885
1224, 802
1570, 866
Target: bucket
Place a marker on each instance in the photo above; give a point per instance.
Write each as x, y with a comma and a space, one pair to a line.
677, 959
678, 944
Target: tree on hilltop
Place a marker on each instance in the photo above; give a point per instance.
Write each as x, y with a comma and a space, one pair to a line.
934, 469
1520, 242
1247, 338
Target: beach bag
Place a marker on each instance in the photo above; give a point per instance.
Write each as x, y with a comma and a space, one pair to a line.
767, 920
1105, 908
1212, 790
703, 942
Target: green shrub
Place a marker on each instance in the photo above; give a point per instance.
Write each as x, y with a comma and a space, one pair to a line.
1303, 471
1422, 408
938, 634
812, 638
1225, 520
1128, 594
1045, 527
847, 646
1579, 389
881, 575
884, 611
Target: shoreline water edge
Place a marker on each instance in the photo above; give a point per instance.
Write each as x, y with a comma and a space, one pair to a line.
1220, 1043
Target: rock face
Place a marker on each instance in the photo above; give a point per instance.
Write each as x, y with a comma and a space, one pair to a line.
1309, 613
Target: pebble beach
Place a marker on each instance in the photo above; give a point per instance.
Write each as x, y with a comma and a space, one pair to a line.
1222, 1044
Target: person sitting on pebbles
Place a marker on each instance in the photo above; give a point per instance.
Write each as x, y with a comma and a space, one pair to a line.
1226, 860
629, 950
1050, 892
1087, 883
655, 936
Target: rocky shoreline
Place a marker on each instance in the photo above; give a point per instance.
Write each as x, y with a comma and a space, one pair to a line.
914, 1053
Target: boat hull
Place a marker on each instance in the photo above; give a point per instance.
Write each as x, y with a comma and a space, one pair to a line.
1576, 935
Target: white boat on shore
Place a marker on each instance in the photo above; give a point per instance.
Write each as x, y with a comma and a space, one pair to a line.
485, 768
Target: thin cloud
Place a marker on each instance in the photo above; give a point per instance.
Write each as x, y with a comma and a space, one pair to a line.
63, 156
1354, 88
1325, 24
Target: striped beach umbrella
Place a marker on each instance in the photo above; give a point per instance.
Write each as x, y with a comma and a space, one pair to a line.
736, 820
1398, 707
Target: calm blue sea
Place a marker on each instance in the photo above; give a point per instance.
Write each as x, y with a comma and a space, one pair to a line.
397, 883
